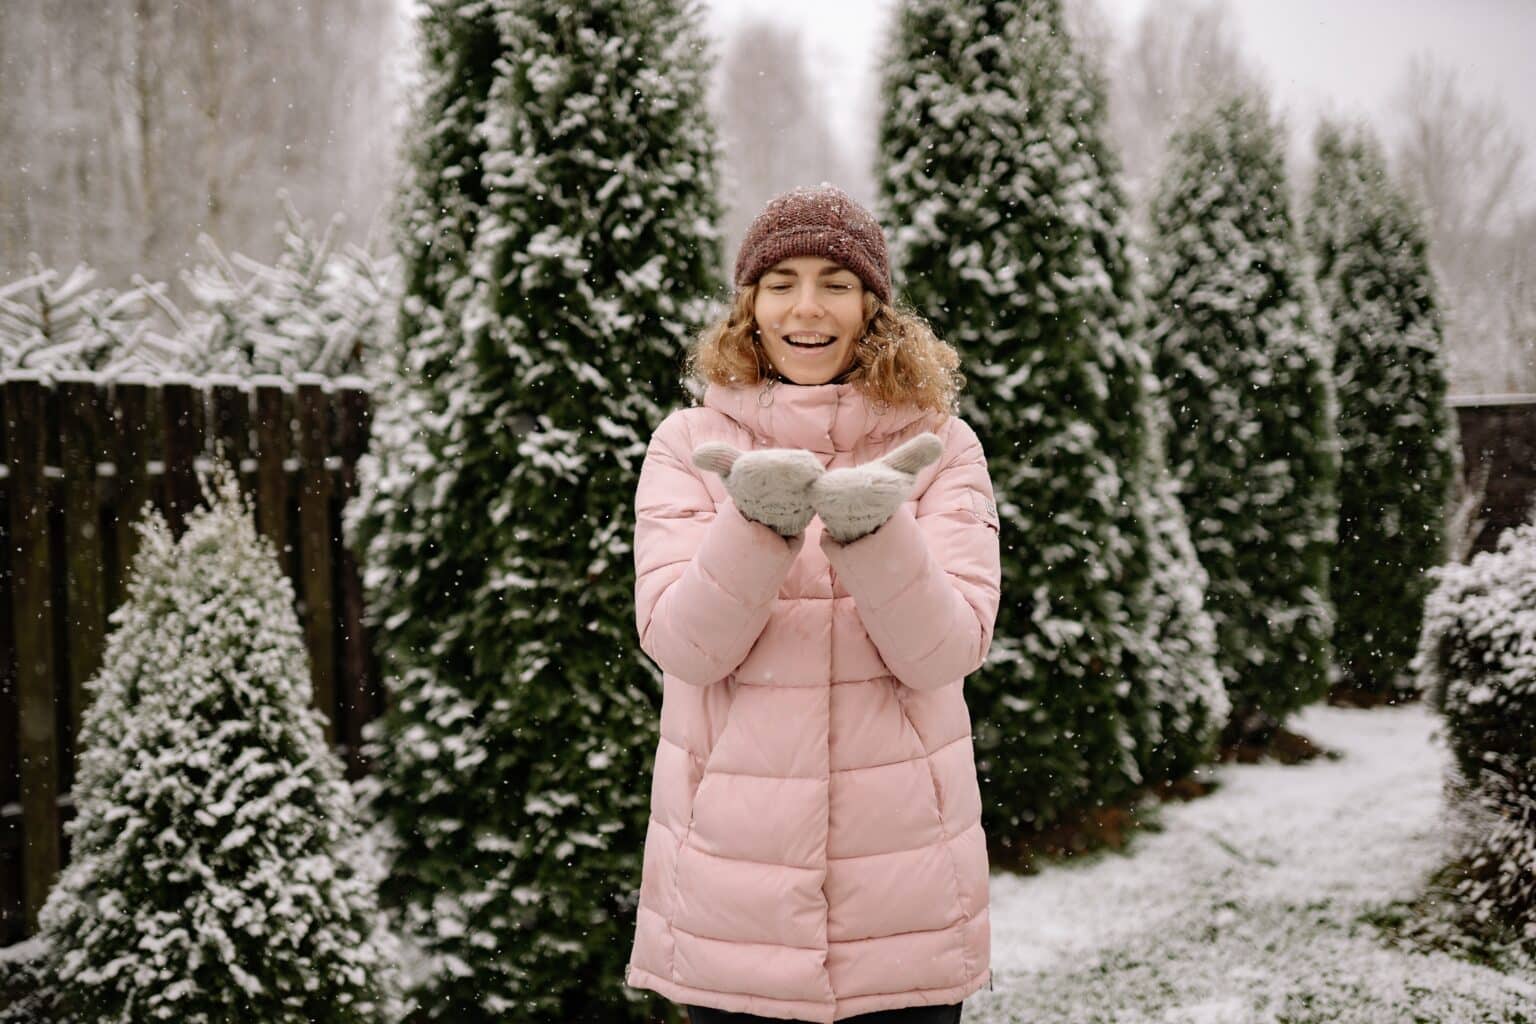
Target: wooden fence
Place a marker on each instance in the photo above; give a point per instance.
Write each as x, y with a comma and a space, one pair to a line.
79, 458
1498, 448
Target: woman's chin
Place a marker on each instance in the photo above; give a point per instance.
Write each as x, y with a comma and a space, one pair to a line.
797, 373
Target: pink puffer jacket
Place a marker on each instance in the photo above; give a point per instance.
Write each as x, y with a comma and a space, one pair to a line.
815, 848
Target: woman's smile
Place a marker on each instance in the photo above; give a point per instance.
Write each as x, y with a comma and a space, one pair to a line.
810, 341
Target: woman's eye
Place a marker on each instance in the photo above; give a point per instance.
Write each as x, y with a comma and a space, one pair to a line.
840, 287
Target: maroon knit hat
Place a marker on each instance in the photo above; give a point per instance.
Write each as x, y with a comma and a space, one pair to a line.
820, 221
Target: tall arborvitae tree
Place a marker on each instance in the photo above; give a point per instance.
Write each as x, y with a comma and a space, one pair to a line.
1247, 372
1007, 234
547, 313
1181, 703
216, 869
1397, 435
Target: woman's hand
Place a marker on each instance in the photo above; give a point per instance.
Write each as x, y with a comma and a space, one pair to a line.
771, 486
857, 501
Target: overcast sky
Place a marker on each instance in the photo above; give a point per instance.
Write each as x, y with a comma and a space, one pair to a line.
1339, 56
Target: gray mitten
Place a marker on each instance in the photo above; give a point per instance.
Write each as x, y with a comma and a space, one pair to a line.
771, 486
854, 502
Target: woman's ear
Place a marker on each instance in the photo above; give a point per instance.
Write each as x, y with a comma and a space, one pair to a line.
871, 308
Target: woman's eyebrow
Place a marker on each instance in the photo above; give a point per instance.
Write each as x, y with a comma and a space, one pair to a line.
825, 271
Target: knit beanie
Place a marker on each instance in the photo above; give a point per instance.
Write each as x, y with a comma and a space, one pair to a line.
816, 221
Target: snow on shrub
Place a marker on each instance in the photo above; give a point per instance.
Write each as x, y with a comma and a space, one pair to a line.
1476, 664
1397, 435
1246, 378
218, 869
317, 309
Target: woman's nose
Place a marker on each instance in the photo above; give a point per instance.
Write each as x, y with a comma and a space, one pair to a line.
806, 304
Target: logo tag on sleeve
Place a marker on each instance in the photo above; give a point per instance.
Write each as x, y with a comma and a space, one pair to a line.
984, 509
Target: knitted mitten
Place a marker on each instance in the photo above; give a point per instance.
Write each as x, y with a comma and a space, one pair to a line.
854, 502
771, 486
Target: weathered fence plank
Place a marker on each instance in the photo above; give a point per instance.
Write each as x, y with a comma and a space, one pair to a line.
274, 444
230, 426
182, 442
13, 911
31, 610
81, 449
132, 485
315, 543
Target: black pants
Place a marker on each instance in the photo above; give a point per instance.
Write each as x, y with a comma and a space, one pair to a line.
905, 1015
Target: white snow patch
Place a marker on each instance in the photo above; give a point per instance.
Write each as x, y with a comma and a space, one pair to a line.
1244, 908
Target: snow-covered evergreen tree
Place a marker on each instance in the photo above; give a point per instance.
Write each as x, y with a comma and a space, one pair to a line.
1476, 664
560, 249
1246, 369
1183, 704
1008, 233
1397, 435
216, 869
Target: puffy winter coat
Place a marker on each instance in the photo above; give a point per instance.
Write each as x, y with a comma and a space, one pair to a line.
815, 848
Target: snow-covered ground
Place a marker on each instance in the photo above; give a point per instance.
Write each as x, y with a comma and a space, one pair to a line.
1245, 907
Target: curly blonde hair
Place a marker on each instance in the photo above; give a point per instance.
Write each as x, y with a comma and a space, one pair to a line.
898, 360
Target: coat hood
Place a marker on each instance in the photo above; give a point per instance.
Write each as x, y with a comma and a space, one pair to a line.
822, 418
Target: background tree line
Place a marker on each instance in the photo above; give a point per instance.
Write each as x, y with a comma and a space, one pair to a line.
131, 126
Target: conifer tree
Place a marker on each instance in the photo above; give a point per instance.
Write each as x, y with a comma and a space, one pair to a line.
1181, 704
316, 309
1246, 371
216, 872
547, 312
1397, 435
1008, 234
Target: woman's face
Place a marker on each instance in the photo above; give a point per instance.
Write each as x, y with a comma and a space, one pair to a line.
810, 314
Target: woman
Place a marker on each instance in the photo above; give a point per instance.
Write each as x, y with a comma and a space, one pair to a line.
816, 557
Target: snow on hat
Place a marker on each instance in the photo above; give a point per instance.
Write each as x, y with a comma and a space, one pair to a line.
816, 221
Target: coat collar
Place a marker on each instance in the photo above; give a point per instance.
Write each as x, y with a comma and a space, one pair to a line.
822, 418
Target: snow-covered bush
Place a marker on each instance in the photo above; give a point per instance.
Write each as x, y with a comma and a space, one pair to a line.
50, 321
217, 871
24, 995
1476, 663
1397, 435
1477, 653
1246, 372
317, 309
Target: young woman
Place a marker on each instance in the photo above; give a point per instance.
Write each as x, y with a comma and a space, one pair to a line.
816, 553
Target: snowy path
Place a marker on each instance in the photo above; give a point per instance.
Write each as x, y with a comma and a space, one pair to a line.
1243, 908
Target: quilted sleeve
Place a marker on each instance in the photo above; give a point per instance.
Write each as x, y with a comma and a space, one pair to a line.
706, 578
927, 585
